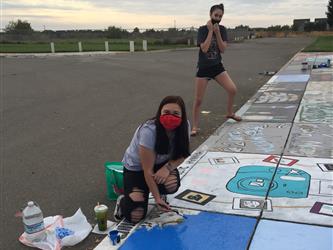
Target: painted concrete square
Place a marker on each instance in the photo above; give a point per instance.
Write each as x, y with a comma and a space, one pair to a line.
323, 86
286, 86
270, 113
290, 78
278, 97
315, 113
322, 75
302, 191
251, 137
312, 140
239, 183
297, 68
203, 230
319, 97
276, 235
292, 67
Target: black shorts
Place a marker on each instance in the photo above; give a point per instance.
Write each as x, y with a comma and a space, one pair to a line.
137, 179
210, 72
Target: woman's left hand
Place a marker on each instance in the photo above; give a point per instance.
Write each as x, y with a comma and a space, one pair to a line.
161, 175
216, 28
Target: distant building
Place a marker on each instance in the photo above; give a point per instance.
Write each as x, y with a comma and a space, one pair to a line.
322, 21
299, 24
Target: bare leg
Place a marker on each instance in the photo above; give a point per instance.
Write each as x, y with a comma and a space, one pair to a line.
138, 213
226, 82
200, 89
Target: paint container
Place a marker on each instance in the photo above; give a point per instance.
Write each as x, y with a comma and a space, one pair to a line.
323, 65
304, 65
114, 237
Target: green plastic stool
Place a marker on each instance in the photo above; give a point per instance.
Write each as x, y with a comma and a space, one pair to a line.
114, 179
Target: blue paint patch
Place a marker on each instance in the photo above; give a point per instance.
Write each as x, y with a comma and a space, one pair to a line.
203, 231
276, 235
255, 180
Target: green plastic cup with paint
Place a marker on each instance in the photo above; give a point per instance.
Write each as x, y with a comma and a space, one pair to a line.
101, 214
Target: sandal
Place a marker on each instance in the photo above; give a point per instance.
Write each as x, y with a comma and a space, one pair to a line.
194, 132
234, 117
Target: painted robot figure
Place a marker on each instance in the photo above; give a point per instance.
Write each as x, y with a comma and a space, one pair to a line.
212, 40
158, 147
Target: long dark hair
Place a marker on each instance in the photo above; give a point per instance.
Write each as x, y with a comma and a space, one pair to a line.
215, 7
181, 146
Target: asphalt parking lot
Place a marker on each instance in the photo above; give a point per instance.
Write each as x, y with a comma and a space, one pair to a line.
63, 117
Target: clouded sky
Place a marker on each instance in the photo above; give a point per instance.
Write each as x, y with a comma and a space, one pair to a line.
99, 14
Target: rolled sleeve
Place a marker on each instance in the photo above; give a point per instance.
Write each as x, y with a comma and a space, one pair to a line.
147, 137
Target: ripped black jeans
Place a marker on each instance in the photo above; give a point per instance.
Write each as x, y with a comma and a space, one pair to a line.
135, 203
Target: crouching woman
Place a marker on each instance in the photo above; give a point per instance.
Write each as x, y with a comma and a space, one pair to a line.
158, 147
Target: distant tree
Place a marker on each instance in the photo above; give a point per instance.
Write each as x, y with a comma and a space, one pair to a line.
136, 30
274, 28
172, 30
294, 27
242, 27
279, 28
329, 13
150, 31
115, 32
19, 27
285, 28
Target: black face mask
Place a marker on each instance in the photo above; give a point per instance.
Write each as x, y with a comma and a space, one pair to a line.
215, 21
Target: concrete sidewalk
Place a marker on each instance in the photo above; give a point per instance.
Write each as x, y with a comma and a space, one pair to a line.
263, 183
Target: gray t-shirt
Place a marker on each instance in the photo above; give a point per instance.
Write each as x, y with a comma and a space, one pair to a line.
145, 135
213, 55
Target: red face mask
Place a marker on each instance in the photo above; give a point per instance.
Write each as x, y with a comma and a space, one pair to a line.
170, 122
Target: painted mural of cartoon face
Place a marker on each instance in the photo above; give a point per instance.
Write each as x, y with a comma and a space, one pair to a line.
256, 180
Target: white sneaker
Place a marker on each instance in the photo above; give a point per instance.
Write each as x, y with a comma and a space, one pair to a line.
117, 215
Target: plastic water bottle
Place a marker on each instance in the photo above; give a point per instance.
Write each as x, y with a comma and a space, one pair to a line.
32, 217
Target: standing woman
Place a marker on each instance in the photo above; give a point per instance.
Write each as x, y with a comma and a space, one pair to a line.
158, 147
212, 39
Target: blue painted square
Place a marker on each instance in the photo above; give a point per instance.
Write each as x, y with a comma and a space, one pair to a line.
202, 231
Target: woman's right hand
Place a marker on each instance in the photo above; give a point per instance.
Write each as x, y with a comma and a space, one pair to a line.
210, 25
162, 205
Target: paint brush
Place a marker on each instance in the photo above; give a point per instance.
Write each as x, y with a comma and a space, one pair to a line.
180, 214
173, 210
